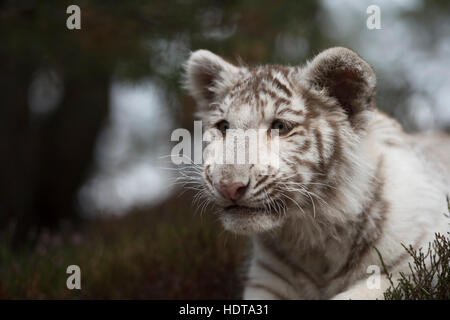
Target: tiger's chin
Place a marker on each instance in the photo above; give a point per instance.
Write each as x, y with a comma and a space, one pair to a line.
247, 220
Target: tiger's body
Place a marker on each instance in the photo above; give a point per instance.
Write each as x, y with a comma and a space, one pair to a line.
349, 179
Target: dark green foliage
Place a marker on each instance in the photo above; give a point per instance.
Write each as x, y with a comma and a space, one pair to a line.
118, 40
171, 254
430, 273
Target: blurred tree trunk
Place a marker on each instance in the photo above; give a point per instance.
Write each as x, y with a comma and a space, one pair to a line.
45, 162
15, 142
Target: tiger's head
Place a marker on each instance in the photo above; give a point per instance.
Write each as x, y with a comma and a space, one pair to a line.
319, 111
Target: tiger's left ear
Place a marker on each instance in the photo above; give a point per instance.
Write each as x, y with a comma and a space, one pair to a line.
342, 74
207, 76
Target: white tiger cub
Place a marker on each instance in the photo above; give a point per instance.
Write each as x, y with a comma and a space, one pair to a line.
349, 179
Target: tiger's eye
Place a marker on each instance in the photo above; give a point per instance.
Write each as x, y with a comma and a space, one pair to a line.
280, 125
223, 126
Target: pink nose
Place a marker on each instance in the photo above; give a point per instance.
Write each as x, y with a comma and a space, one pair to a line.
232, 191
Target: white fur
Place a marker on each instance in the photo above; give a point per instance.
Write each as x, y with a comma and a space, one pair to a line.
298, 254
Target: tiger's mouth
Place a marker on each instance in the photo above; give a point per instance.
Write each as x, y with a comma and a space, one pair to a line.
237, 209
273, 208
245, 220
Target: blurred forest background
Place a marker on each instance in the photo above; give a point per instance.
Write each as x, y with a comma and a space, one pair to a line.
86, 117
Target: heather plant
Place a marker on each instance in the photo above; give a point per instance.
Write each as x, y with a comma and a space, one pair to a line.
430, 272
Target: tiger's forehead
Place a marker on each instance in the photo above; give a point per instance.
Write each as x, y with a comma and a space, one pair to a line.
264, 81
262, 92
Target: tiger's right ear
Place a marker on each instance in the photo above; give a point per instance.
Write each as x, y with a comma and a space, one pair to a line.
344, 75
207, 76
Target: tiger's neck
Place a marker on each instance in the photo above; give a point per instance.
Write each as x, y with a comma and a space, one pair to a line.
337, 208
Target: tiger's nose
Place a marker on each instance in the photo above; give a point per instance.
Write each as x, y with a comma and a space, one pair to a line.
232, 191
